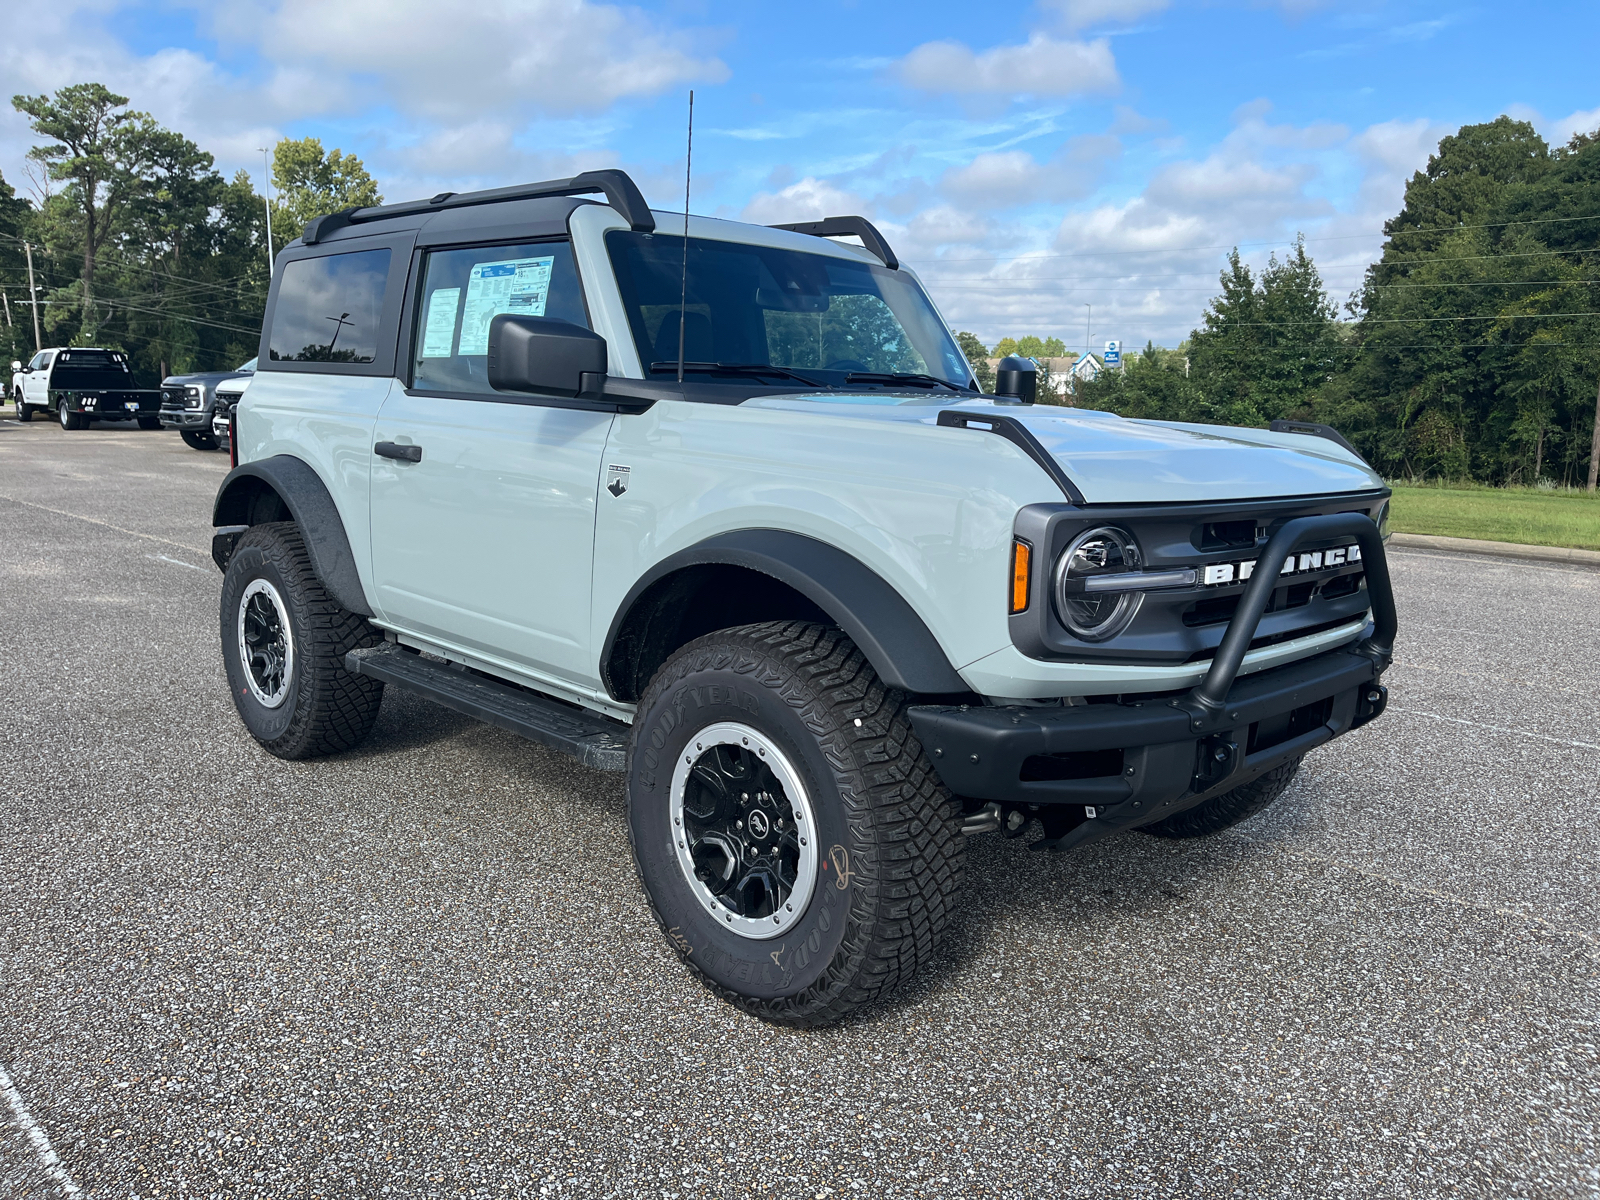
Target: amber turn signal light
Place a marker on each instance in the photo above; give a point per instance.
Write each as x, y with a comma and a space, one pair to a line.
1021, 557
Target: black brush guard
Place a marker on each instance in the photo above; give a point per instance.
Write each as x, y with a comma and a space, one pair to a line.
1125, 765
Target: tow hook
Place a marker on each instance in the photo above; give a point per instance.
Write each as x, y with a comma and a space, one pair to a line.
1216, 758
1374, 698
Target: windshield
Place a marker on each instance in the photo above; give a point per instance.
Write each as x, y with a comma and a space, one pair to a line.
822, 316
90, 369
247, 368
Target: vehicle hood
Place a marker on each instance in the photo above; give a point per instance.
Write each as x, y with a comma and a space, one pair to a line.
1114, 460
209, 378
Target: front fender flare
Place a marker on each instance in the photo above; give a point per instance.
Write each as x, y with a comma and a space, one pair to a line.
888, 631
310, 506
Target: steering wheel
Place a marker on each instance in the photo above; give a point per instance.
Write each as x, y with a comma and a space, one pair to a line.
846, 364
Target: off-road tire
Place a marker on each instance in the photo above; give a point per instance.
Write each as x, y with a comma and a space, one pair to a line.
149, 422
24, 411
67, 418
198, 441
1228, 809
880, 811
327, 709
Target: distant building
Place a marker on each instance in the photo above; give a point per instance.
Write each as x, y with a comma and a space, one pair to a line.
1086, 368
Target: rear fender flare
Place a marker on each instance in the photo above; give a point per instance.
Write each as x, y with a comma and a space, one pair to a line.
247, 497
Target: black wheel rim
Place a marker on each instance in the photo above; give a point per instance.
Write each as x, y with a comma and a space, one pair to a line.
266, 648
745, 832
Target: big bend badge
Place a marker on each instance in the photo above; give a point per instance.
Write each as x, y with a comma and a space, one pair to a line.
617, 478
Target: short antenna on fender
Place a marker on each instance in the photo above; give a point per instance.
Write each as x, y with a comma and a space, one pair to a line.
683, 297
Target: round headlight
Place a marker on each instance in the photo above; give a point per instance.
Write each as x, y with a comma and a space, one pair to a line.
1090, 612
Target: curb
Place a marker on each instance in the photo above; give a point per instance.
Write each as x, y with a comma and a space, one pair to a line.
1560, 554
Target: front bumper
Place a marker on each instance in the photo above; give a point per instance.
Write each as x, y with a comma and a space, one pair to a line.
1138, 762
1090, 769
186, 418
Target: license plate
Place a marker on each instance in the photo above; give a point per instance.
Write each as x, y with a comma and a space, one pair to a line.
132, 406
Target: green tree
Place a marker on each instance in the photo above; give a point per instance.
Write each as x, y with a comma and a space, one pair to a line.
1037, 347
978, 358
1005, 347
95, 147
310, 182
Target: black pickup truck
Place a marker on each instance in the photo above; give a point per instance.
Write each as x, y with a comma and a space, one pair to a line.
82, 384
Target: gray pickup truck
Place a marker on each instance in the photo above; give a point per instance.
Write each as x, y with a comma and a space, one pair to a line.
191, 403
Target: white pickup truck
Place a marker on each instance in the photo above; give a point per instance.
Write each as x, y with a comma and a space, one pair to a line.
83, 384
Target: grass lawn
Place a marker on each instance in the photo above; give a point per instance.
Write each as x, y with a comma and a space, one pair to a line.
1525, 515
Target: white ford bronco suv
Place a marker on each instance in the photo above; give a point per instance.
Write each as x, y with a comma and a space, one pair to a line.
722, 508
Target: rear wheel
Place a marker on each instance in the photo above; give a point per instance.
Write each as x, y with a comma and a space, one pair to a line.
68, 418
196, 440
1230, 808
797, 848
283, 645
149, 422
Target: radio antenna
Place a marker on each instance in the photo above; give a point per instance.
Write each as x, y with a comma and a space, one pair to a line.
683, 297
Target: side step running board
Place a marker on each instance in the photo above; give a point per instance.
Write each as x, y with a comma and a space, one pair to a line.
592, 740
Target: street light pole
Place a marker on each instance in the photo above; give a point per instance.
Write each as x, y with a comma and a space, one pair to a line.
1088, 324
266, 188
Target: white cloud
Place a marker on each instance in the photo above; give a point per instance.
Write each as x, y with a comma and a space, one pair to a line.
1044, 66
1074, 15
1003, 179
808, 199
454, 61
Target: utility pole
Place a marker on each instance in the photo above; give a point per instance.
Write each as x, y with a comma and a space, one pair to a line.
7, 301
33, 299
1594, 445
266, 188
1088, 324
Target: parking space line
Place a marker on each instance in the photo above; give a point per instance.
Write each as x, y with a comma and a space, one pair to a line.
41, 1144
61, 512
177, 562
1543, 737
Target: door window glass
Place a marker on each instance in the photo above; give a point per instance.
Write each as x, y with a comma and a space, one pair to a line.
463, 290
329, 308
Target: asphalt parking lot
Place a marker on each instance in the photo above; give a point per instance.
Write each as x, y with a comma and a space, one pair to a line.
424, 968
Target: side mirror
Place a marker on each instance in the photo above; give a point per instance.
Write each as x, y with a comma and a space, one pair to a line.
544, 355
1017, 377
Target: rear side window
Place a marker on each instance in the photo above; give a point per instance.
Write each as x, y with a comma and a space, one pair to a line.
463, 290
329, 308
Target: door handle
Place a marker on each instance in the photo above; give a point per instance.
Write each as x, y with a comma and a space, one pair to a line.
396, 450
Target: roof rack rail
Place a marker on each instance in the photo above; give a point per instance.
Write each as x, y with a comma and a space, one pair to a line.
840, 226
620, 192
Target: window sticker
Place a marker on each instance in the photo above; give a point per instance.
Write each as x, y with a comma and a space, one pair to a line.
441, 327
520, 285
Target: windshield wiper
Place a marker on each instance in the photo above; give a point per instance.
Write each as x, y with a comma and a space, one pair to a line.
911, 377
737, 369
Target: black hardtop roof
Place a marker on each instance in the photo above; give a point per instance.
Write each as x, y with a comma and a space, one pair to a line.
619, 190
538, 209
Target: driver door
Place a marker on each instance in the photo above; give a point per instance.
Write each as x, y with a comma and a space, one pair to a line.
486, 541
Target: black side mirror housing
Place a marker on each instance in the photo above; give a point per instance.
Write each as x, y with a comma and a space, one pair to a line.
545, 355
1017, 377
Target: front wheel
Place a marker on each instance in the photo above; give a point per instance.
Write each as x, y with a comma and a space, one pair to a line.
797, 848
24, 410
1230, 808
196, 440
283, 645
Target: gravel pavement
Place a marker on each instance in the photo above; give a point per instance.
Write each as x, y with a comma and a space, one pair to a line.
425, 969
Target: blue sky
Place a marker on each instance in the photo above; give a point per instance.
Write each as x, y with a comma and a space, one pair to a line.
1042, 164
